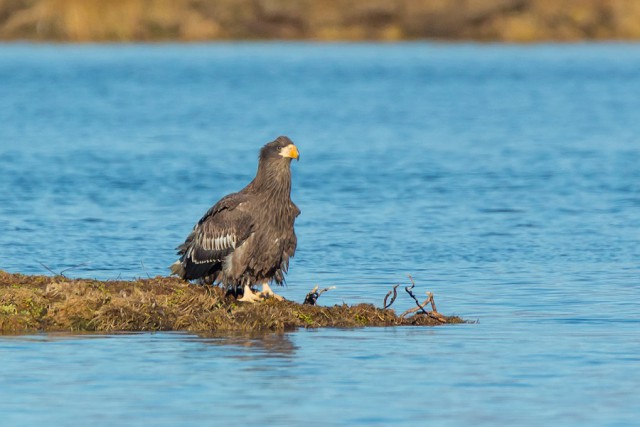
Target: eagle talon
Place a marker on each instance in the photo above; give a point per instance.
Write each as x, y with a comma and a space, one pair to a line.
249, 296
268, 293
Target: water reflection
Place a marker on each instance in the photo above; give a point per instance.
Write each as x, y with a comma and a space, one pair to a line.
264, 344
267, 344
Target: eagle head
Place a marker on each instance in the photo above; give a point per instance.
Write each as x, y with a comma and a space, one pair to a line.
279, 149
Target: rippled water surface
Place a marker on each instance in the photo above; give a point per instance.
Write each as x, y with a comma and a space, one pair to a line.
505, 179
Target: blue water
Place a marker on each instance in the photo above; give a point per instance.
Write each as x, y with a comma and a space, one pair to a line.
504, 179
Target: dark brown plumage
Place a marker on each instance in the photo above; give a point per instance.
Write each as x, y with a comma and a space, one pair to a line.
247, 237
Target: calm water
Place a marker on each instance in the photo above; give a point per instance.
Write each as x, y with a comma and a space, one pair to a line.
505, 179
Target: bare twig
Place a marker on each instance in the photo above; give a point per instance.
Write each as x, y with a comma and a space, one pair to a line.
408, 289
325, 290
395, 294
420, 306
409, 311
313, 296
62, 272
145, 269
433, 303
50, 270
433, 314
72, 267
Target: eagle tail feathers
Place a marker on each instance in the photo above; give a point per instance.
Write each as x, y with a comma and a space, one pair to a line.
178, 269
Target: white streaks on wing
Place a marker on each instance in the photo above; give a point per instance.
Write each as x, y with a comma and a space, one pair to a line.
190, 254
219, 243
210, 246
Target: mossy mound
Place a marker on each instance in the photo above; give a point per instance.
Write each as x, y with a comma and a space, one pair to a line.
43, 303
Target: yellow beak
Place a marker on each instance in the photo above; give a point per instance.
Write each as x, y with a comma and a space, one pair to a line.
290, 151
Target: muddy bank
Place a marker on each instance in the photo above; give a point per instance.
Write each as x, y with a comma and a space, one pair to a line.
389, 20
44, 303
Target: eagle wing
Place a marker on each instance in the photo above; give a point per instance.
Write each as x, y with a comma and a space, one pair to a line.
289, 248
222, 229
292, 240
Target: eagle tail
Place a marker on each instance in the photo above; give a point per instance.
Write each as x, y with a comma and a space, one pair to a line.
178, 269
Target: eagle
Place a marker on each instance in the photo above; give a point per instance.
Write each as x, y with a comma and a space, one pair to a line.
248, 237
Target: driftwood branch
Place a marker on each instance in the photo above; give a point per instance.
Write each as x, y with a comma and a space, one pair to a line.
393, 299
421, 306
312, 297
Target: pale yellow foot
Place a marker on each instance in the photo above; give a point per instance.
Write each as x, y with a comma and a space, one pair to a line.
268, 293
249, 296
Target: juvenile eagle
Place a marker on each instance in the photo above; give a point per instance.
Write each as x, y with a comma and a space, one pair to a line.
247, 237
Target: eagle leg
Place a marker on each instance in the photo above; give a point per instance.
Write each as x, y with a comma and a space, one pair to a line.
268, 293
249, 296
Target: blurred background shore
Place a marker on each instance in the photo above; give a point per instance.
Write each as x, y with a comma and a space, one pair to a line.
323, 20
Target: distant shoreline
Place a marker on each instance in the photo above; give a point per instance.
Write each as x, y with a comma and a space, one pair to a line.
430, 42
180, 21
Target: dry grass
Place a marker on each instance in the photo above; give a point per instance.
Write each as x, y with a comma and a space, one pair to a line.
389, 20
43, 303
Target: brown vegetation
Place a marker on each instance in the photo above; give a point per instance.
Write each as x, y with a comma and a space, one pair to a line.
44, 303
198, 20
